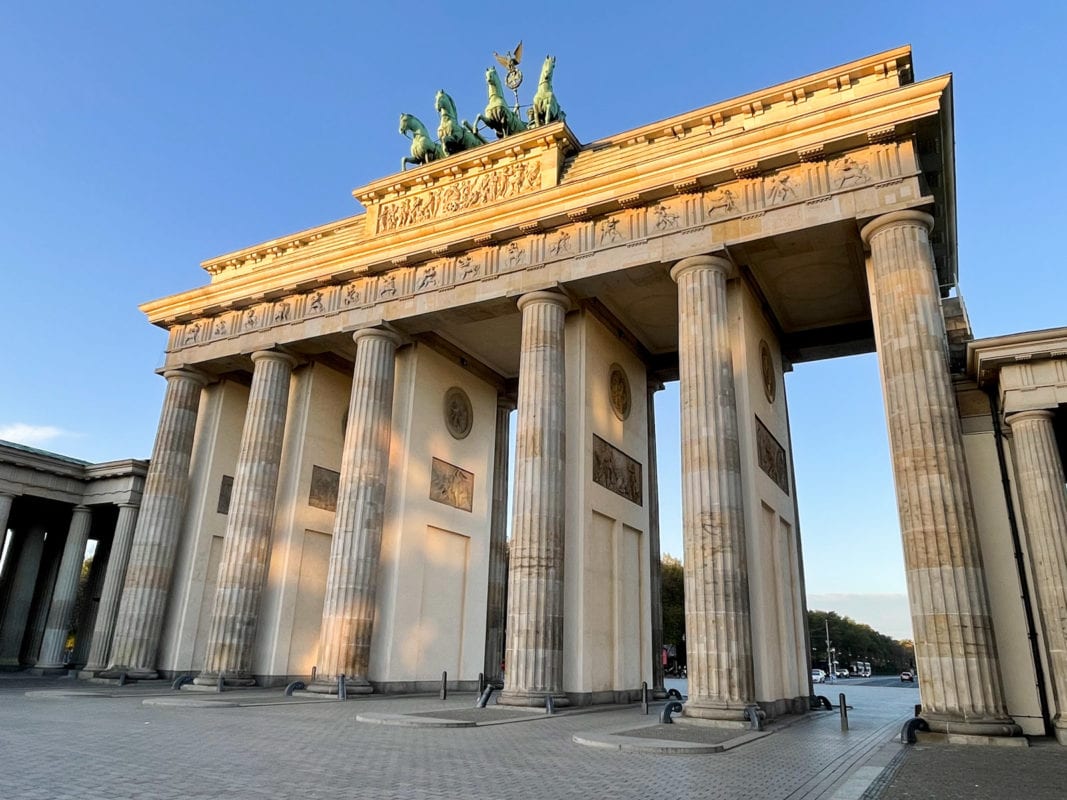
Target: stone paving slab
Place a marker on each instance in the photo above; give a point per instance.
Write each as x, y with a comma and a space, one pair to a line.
670, 739
117, 748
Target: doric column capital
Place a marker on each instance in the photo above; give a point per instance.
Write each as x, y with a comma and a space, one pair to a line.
188, 373
1036, 413
377, 333
558, 299
128, 504
896, 218
82, 509
276, 355
720, 263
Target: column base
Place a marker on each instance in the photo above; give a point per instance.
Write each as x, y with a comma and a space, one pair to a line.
1059, 729
212, 679
715, 712
132, 673
516, 697
354, 685
945, 723
48, 669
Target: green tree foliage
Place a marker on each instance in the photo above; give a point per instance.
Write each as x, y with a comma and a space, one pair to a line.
855, 641
673, 599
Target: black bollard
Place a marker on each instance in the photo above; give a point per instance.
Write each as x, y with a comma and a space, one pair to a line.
444, 685
122, 679
220, 683
481, 682
644, 697
483, 700
844, 712
342, 690
550, 705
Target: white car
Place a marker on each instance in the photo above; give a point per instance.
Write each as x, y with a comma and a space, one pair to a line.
818, 676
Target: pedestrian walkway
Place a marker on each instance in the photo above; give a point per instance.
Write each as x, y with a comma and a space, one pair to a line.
61, 738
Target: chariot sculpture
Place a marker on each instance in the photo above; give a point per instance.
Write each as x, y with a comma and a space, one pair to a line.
455, 136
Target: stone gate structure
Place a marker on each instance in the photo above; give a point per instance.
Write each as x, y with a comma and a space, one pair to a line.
328, 489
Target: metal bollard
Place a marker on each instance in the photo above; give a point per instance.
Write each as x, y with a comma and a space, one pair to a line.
122, 679
674, 693
481, 682
180, 681
444, 685
483, 700
644, 697
550, 705
293, 687
314, 673
671, 706
754, 714
342, 689
844, 712
220, 683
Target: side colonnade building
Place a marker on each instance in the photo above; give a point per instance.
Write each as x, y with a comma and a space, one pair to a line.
328, 489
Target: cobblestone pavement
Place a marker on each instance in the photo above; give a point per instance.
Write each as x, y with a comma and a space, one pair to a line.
947, 772
113, 746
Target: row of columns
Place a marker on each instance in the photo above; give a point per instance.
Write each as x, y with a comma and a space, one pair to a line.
60, 607
954, 639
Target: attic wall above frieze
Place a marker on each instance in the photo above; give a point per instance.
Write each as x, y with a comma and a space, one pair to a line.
883, 175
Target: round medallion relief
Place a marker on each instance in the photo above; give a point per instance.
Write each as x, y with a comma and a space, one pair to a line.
766, 362
620, 392
459, 416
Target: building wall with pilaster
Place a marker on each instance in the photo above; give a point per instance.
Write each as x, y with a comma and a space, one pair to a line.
434, 567
607, 623
216, 446
778, 608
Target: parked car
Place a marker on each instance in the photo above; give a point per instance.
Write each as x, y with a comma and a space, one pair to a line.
906, 676
842, 673
818, 676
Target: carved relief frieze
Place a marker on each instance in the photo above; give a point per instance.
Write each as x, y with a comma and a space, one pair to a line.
451, 485
616, 471
460, 194
770, 456
816, 178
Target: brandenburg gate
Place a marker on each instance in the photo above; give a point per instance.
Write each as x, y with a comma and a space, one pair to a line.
328, 488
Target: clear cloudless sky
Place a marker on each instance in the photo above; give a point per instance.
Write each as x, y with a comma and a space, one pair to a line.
139, 139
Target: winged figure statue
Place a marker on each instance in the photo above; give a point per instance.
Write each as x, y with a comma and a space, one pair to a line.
510, 62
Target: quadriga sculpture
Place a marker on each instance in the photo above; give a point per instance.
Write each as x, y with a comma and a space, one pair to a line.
423, 148
545, 108
498, 115
454, 136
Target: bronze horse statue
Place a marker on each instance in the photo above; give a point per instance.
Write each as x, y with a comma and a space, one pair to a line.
498, 115
454, 137
545, 108
423, 148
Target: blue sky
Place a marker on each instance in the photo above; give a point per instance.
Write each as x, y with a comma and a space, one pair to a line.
139, 139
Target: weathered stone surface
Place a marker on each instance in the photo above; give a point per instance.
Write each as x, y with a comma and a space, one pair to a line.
151, 564
535, 574
112, 592
954, 644
718, 626
66, 590
1044, 505
246, 547
351, 586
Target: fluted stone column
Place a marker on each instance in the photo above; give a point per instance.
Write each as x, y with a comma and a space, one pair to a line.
655, 576
16, 612
66, 590
246, 546
6, 501
352, 582
496, 601
151, 564
112, 592
534, 652
717, 616
1044, 500
955, 649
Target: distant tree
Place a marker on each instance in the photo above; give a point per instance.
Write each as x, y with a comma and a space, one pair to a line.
673, 595
854, 641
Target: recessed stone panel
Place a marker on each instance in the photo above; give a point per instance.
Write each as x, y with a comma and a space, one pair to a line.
451, 485
324, 483
616, 471
225, 490
771, 456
